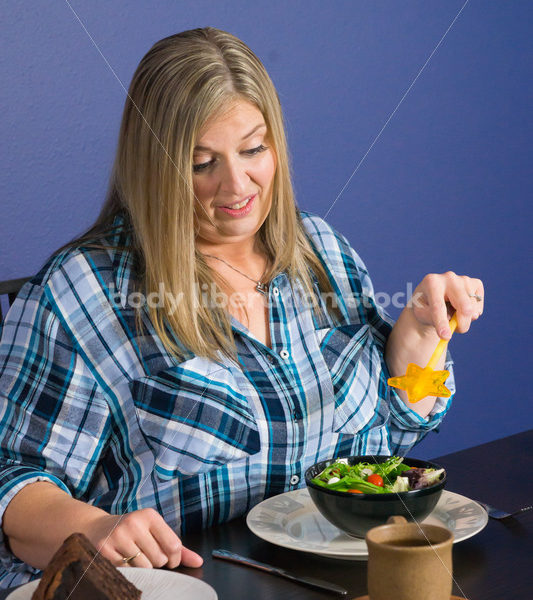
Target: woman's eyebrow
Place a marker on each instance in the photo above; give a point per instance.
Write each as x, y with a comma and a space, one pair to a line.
259, 126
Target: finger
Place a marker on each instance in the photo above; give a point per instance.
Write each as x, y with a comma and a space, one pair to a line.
477, 311
189, 558
172, 546
437, 307
127, 557
115, 557
152, 553
133, 541
477, 293
458, 294
134, 530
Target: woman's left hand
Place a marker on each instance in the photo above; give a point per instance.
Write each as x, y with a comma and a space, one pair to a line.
437, 297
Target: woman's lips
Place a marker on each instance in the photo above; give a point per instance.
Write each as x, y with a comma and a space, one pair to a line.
239, 212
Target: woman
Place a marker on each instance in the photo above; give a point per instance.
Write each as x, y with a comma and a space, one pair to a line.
204, 342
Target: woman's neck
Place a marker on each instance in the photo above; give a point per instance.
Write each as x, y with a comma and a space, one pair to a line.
237, 252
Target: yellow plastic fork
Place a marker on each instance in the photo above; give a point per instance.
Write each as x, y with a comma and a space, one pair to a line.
420, 382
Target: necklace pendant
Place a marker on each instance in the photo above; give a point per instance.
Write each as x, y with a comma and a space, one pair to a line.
261, 288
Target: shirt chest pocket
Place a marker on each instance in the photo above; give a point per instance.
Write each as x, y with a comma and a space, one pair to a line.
354, 362
194, 422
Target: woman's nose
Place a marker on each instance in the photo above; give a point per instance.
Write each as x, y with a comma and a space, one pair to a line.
234, 178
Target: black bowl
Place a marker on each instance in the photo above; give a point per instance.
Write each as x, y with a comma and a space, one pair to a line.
355, 514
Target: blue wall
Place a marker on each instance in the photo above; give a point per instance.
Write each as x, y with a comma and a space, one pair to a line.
445, 186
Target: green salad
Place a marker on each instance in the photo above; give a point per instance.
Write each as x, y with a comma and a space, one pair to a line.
393, 475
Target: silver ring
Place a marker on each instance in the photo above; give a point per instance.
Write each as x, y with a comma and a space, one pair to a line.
476, 296
128, 559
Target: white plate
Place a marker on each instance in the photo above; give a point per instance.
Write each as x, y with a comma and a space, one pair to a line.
291, 520
155, 584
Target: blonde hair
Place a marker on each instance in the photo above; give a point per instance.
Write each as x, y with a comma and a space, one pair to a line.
183, 81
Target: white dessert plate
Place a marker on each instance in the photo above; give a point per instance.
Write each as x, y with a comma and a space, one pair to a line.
155, 584
291, 520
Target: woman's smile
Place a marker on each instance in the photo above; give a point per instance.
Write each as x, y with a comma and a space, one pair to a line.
240, 209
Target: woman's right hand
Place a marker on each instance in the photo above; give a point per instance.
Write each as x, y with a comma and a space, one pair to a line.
41, 516
118, 537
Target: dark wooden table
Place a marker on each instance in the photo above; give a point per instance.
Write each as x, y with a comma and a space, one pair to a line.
496, 564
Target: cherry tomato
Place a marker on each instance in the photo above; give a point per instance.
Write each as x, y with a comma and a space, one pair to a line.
375, 479
354, 491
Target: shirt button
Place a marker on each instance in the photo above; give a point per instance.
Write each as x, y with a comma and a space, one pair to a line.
284, 354
294, 479
275, 291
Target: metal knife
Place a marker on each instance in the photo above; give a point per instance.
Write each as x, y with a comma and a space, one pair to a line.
311, 581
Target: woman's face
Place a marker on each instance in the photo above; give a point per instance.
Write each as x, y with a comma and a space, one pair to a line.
233, 170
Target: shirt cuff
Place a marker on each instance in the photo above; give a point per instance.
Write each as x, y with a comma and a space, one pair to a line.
14, 478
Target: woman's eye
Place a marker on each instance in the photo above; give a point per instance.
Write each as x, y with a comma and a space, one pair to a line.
206, 165
202, 166
256, 150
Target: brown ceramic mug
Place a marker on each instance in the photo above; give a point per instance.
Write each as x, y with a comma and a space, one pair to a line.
409, 561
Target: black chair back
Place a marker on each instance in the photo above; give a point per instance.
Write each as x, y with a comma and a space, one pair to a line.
11, 288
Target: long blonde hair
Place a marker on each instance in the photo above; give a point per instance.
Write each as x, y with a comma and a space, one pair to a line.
180, 83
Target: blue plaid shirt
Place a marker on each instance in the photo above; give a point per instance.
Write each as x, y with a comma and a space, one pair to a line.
104, 412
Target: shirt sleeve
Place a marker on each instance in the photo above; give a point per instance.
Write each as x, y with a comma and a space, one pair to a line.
54, 420
404, 426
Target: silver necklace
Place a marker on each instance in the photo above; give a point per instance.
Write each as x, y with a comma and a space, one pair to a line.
259, 285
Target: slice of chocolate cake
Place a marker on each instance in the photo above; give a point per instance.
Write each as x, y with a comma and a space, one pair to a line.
78, 572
